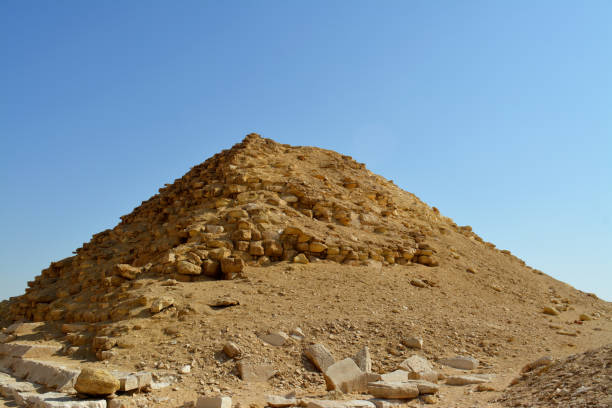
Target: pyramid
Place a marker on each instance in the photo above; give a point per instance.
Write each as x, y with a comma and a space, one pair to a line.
257, 203
229, 275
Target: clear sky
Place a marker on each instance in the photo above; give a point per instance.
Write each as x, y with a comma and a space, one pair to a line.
498, 113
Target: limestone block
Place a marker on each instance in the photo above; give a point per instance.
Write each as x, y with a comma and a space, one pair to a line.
232, 267
393, 390
319, 356
465, 380
277, 401
346, 377
461, 362
127, 271
340, 404
363, 360
413, 342
416, 363
395, 376
214, 402
251, 372
188, 268
276, 339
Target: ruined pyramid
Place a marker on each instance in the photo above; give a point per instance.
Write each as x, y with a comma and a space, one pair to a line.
230, 274
257, 203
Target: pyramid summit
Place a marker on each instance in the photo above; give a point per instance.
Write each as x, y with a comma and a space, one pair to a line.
270, 268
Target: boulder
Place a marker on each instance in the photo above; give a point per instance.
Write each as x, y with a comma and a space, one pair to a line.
96, 382
346, 377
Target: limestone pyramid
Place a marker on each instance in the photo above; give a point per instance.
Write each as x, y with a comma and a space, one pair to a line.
257, 203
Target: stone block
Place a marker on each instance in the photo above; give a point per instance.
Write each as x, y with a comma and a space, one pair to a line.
461, 362
393, 390
319, 356
346, 377
255, 372
214, 402
363, 359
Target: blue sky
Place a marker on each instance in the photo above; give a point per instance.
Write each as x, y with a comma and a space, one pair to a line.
497, 113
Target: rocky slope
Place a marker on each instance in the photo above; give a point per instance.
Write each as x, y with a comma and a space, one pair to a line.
272, 248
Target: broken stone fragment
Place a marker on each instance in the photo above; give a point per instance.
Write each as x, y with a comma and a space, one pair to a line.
461, 362
317, 247
416, 363
96, 382
466, 379
393, 390
224, 301
363, 360
276, 339
428, 375
103, 343
297, 334
210, 268
550, 311
276, 401
340, 404
388, 403
319, 356
127, 271
232, 267
214, 402
346, 377
300, 258
425, 387
418, 283
395, 376
542, 361
232, 349
187, 268
251, 372
413, 342
161, 303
